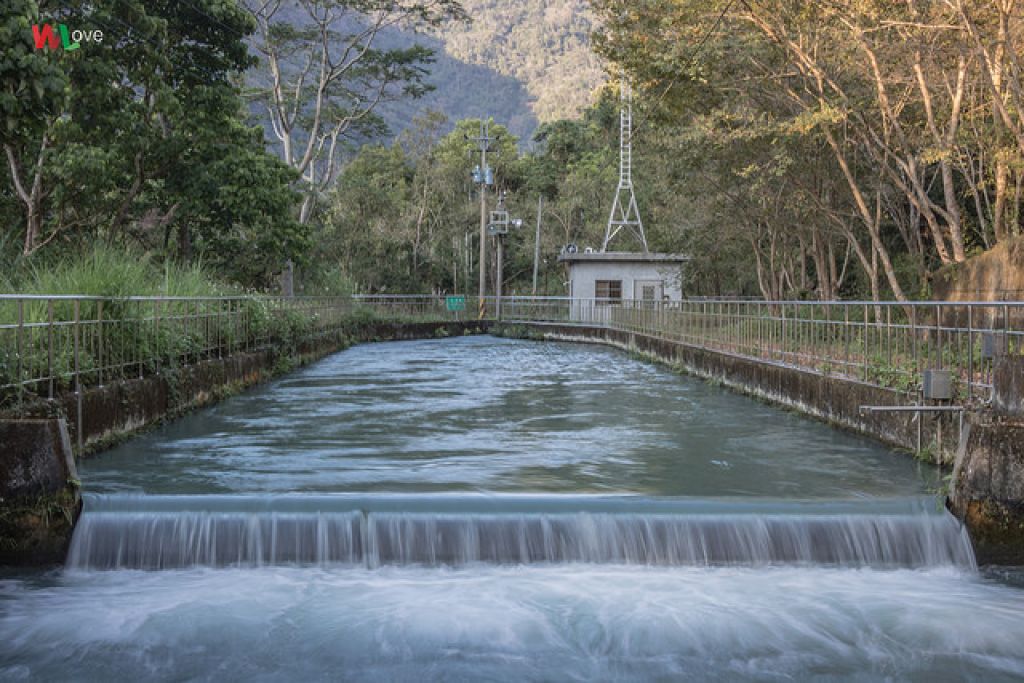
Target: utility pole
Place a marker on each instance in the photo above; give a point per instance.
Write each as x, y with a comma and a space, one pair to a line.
501, 276
498, 228
482, 176
536, 244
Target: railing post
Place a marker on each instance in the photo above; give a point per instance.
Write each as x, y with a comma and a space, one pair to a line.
157, 350
78, 379
759, 330
18, 348
49, 348
915, 347
218, 326
864, 344
846, 338
140, 331
1006, 329
784, 340
99, 322
970, 352
888, 335
199, 338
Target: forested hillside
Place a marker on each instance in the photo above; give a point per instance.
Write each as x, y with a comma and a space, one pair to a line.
841, 150
522, 62
543, 44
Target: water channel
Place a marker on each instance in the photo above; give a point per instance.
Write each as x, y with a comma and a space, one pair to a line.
487, 509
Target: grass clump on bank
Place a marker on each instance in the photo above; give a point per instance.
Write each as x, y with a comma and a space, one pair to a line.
110, 272
128, 315
189, 316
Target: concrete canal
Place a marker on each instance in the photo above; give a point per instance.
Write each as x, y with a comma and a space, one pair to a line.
486, 509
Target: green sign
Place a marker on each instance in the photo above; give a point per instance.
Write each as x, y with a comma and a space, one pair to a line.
455, 303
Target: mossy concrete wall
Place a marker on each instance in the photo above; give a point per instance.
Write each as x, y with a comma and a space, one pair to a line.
39, 498
988, 478
988, 488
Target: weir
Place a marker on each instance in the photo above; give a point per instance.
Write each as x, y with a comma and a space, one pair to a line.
166, 532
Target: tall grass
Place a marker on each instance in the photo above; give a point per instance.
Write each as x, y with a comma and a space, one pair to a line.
111, 272
48, 344
115, 333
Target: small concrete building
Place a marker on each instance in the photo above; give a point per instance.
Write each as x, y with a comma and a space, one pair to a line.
601, 279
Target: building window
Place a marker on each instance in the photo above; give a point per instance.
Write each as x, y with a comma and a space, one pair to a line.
608, 291
649, 292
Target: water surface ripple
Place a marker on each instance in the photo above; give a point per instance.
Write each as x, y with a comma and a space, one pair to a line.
481, 413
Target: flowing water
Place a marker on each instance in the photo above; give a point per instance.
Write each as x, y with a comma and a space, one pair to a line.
484, 509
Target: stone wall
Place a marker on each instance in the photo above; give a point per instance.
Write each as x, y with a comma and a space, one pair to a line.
995, 275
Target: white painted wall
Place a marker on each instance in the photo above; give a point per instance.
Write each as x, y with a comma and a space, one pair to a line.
583, 276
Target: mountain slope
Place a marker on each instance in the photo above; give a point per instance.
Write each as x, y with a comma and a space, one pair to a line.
522, 62
543, 44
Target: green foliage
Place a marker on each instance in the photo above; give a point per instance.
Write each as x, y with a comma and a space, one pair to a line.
140, 139
900, 375
113, 272
401, 217
365, 227
326, 278
104, 272
544, 45
33, 83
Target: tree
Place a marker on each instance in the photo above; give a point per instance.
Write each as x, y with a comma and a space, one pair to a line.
34, 91
140, 139
895, 93
325, 75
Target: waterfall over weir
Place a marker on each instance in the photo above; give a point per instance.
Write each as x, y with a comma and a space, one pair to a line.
163, 532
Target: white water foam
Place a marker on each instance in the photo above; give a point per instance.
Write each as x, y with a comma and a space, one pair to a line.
532, 623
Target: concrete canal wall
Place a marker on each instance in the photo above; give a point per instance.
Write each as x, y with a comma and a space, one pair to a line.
38, 484
986, 450
988, 478
39, 498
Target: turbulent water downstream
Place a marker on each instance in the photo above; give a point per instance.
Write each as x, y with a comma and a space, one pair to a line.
484, 509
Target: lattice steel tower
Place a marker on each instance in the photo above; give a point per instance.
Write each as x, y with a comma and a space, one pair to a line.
625, 213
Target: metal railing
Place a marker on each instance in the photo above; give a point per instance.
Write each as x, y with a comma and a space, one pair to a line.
427, 307
888, 344
55, 344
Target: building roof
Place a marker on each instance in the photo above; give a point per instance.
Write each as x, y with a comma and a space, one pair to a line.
622, 257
